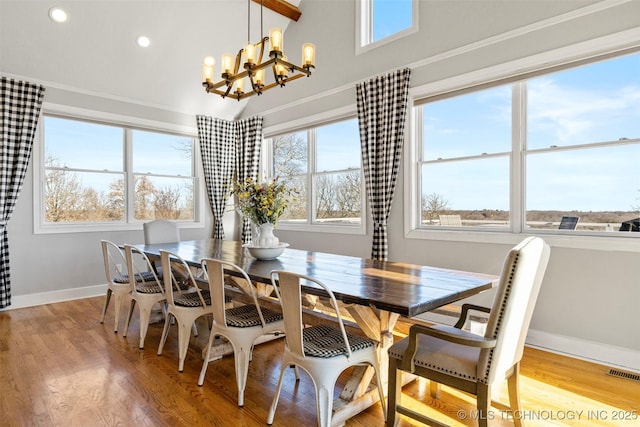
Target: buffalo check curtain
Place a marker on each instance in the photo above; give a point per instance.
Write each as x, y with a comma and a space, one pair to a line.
382, 110
217, 147
227, 147
249, 141
20, 104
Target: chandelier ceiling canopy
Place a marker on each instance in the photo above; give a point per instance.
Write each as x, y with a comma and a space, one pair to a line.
247, 75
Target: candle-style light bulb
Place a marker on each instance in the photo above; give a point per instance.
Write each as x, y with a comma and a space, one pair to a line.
227, 64
308, 55
207, 69
275, 39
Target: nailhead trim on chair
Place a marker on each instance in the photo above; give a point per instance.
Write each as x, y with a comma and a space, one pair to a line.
501, 313
326, 341
246, 316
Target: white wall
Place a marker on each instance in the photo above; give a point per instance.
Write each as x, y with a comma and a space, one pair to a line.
588, 300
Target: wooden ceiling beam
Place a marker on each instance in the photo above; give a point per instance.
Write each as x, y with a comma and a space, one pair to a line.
282, 7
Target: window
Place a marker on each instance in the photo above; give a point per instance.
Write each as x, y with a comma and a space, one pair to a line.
102, 173
519, 157
466, 159
323, 164
385, 20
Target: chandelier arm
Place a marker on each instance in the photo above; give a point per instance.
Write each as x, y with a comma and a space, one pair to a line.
262, 43
238, 60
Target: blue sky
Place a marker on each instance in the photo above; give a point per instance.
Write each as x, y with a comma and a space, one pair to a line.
590, 104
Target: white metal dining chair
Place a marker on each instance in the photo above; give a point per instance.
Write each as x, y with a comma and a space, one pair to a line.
324, 351
474, 363
146, 294
185, 305
117, 279
241, 325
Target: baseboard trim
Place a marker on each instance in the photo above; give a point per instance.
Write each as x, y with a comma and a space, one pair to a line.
30, 300
586, 350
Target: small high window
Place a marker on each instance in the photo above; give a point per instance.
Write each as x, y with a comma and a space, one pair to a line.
381, 21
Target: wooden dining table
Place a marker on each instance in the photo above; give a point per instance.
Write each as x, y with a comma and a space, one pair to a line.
375, 293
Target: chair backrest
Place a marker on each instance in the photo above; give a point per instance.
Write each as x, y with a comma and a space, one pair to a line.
516, 296
454, 220
171, 264
217, 272
133, 268
114, 261
569, 223
160, 231
289, 291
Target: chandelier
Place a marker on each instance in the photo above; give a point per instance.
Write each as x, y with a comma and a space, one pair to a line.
237, 83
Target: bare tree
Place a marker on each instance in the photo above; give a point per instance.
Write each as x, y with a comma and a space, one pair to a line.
289, 155
166, 203
325, 191
432, 205
143, 197
348, 194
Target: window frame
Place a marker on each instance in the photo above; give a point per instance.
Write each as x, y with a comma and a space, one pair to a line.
509, 73
128, 124
310, 127
364, 27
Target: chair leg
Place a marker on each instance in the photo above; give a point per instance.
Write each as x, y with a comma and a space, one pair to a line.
394, 391
514, 395
132, 305
165, 332
242, 356
106, 304
324, 402
205, 364
145, 315
184, 335
276, 396
120, 297
484, 402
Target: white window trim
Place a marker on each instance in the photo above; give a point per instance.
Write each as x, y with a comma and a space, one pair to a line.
39, 226
314, 121
628, 39
363, 27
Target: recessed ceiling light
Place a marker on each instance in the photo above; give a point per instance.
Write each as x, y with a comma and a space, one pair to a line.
143, 41
57, 14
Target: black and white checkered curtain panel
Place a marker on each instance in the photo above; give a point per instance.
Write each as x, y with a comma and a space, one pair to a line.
20, 104
217, 146
382, 111
248, 143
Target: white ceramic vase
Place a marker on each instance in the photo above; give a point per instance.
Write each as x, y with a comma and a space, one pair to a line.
266, 238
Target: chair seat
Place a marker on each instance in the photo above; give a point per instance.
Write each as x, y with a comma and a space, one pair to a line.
327, 341
247, 316
145, 276
191, 299
148, 288
443, 356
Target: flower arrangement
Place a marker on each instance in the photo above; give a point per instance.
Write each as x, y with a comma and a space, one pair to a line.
262, 202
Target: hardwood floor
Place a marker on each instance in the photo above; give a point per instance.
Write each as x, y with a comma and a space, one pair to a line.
60, 367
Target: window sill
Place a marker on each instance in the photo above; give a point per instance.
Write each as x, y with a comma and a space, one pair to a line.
614, 241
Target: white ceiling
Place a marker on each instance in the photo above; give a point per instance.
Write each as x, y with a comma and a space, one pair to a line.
95, 51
